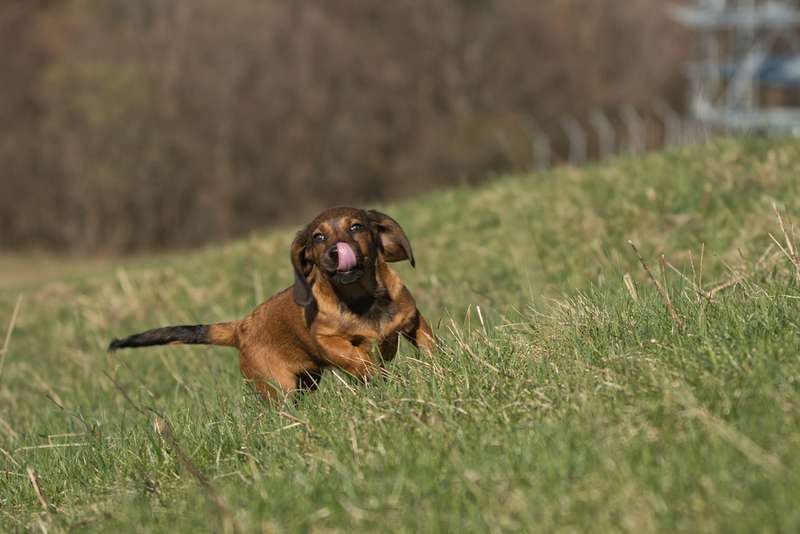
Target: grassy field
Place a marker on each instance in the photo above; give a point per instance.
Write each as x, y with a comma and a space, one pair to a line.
561, 398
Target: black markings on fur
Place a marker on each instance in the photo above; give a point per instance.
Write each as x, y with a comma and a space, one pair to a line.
187, 334
357, 340
310, 312
411, 335
359, 306
372, 307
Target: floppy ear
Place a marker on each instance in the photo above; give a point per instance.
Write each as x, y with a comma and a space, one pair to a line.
302, 268
393, 240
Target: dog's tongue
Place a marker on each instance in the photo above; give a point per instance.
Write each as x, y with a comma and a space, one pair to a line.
347, 258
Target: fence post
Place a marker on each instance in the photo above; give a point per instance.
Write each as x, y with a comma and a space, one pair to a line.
672, 123
635, 129
606, 137
540, 146
577, 139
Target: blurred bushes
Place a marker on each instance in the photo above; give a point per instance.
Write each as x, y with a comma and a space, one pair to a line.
147, 124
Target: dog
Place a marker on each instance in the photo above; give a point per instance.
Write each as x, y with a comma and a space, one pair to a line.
347, 309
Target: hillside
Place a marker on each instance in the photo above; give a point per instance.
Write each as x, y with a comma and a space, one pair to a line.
561, 397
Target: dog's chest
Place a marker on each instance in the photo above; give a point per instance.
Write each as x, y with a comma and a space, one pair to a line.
382, 319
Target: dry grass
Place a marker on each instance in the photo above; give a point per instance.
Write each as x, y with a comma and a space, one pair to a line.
563, 395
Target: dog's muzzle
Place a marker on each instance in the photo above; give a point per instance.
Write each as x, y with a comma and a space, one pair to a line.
345, 260
345, 256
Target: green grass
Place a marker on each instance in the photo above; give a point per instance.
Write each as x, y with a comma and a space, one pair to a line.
556, 402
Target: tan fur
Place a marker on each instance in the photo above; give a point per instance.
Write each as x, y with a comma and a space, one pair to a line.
277, 348
285, 345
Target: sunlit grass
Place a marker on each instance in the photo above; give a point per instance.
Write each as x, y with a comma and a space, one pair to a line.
560, 397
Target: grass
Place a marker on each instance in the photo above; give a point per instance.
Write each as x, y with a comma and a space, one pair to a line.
561, 398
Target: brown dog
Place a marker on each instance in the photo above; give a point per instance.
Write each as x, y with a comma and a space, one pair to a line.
345, 302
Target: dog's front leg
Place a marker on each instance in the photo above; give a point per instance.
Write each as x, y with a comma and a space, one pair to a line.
353, 357
420, 334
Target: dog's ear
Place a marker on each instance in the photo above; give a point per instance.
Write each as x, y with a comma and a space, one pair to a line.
302, 268
392, 238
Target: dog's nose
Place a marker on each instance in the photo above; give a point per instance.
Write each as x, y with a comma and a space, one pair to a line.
333, 252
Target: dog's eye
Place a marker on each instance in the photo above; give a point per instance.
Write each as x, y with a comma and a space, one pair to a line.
355, 227
319, 238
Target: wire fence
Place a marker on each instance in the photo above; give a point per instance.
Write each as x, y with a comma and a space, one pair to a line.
604, 134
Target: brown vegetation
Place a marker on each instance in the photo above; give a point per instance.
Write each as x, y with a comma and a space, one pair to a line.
128, 125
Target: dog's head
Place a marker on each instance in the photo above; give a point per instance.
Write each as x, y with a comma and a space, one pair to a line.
343, 245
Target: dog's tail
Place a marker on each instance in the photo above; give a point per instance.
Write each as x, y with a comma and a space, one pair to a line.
223, 334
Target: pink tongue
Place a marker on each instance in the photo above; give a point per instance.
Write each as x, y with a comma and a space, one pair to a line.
347, 258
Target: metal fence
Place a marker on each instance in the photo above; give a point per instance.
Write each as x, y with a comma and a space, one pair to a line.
604, 134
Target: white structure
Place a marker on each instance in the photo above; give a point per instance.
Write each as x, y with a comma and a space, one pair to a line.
747, 73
